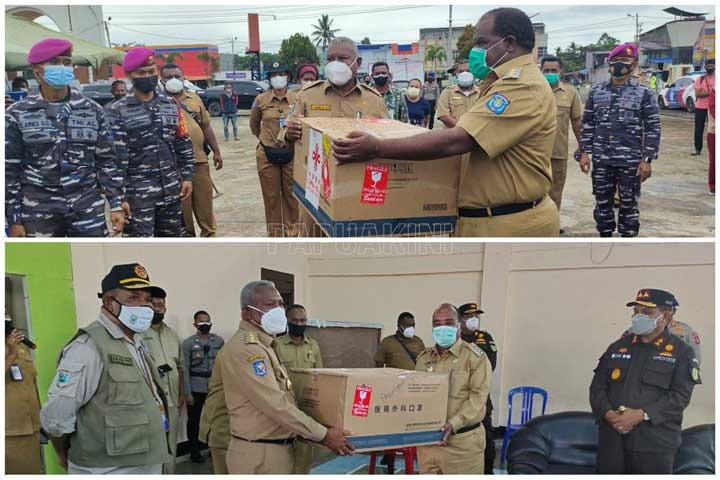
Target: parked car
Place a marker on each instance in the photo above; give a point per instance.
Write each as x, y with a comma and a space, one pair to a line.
100, 92
679, 94
246, 90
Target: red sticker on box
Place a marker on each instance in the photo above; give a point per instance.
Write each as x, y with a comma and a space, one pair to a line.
361, 403
375, 184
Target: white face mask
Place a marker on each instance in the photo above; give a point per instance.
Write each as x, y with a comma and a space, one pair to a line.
279, 82
174, 85
338, 73
465, 79
273, 321
409, 332
413, 92
137, 319
472, 323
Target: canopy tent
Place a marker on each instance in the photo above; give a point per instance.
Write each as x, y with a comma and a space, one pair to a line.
21, 34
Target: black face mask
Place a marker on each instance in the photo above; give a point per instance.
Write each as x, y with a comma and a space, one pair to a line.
296, 330
157, 318
709, 70
118, 97
381, 80
204, 328
146, 84
620, 69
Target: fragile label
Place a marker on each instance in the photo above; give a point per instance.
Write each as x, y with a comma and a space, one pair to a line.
361, 403
375, 183
314, 167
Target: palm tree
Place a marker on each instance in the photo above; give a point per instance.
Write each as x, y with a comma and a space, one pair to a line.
324, 32
213, 63
435, 54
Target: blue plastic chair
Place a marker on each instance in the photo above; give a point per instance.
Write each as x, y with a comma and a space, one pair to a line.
526, 412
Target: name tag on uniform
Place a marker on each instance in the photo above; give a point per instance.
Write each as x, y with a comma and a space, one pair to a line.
121, 360
16, 373
664, 359
321, 107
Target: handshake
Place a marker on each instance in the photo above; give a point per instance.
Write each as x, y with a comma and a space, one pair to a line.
624, 419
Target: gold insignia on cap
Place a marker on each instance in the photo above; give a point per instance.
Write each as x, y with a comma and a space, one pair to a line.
643, 294
140, 272
150, 60
276, 65
615, 374
628, 51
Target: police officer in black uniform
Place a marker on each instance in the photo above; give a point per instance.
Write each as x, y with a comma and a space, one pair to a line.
471, 333
641, 387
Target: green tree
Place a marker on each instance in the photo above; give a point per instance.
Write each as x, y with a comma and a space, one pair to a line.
465, 43
324, 32
573, 57
297, 49
212, 64
170, 57
365, 41
435, 54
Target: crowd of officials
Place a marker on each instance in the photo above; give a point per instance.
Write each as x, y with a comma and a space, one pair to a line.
114, 403
145, 157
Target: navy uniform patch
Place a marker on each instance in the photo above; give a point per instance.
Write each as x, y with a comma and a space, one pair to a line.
260, 368
498, 103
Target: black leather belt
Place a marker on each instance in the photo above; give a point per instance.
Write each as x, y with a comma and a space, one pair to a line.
497, 211
279, 441
468, 428
200, 374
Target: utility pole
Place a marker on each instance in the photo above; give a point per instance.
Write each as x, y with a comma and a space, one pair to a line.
450, 35
232, 42
638, 27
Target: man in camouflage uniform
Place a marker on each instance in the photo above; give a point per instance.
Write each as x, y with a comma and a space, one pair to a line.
621, 129
59, 156
156, 154
394, 99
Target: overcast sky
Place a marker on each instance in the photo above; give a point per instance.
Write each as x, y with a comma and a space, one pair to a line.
387, 23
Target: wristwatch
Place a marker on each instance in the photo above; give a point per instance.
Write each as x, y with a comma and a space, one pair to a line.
646, 417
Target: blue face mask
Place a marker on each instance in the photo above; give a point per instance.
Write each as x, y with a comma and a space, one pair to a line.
445, 336
58, 76
643, 324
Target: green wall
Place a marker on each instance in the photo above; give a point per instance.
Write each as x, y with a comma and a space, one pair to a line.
48, 271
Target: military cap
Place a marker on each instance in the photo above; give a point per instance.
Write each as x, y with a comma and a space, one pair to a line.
469, 308
138, 57
48, 49
277, 67
624, 50
652, 297
131, 276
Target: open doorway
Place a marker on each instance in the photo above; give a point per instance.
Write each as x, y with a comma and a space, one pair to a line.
284, 282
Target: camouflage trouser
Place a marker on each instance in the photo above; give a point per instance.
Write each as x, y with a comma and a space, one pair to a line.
155, 220
85, 218
605, 178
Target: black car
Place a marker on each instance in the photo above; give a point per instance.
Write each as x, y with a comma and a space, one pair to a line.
99, 92
246, 90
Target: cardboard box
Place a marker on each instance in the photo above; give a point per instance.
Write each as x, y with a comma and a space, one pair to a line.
375, 198
383, 407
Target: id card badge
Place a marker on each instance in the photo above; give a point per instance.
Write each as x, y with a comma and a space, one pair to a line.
16, 373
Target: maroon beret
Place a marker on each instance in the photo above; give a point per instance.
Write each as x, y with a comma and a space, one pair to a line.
624, 50
48, 49
138, 57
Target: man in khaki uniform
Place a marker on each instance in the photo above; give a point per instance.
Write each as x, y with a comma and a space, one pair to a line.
462, 447
297, 350
268, 115
401, 349
509, 133
264, 417
457, 99
164, 345
215, 421
200, 132
106, 412
22, 406
340, 96
569, 111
